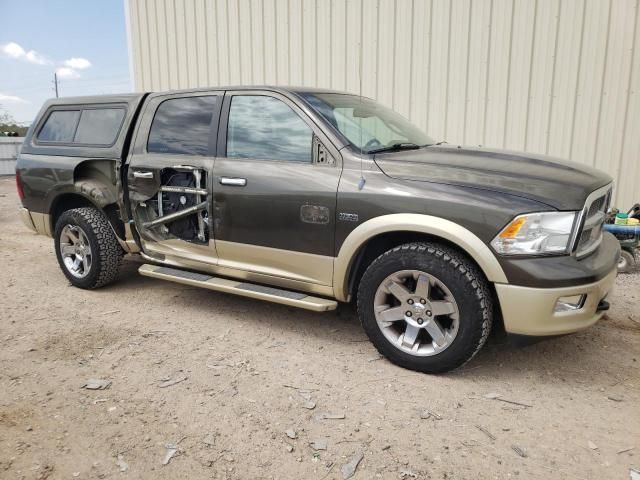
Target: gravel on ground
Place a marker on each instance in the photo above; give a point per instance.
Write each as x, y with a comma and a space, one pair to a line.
149, 379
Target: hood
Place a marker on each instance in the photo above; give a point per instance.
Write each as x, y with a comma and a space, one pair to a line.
560, 184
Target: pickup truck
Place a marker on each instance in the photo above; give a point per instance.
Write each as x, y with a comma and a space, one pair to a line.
310, 197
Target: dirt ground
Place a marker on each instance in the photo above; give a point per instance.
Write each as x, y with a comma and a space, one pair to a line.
252, 374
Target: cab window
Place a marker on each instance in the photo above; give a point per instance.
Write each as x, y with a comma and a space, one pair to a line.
265, 128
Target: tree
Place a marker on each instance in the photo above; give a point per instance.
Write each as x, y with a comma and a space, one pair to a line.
8, 124
5, 117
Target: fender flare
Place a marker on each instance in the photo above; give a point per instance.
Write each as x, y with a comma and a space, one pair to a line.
412, 222
95, 192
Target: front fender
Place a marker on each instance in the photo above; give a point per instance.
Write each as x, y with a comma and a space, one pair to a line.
412, 222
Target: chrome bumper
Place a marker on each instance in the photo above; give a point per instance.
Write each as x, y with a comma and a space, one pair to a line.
36, 222
530, 311
26, 219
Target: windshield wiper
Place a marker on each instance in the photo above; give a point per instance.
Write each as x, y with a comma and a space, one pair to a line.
396, 147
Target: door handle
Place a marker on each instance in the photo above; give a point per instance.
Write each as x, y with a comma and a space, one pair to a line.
233, 181
141, 174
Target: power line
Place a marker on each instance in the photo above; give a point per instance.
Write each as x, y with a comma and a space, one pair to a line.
124, 76
78, 83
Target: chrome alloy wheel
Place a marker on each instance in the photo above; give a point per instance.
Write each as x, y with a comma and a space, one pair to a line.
416, 312
75, 250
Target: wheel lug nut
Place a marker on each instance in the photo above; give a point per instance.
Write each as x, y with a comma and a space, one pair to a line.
429, 313
423, 301
409, 314
410, 302
420, 321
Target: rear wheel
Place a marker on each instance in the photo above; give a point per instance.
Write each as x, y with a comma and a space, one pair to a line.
425, 307
626, 262
87, 249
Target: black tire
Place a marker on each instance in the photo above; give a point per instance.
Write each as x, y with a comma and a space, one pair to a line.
627, 262
464, 280
107, 253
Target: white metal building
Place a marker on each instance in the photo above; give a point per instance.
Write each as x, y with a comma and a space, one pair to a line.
560, 77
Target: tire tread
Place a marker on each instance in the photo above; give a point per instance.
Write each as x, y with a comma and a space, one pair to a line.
464, 268
110, 253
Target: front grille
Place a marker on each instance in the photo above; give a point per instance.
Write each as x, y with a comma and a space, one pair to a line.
597, 206
593, 216
584, 239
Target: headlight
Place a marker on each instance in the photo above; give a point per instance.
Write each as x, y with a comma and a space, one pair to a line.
536, 234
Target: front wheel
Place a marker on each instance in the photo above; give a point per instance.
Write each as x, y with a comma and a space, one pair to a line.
87, 249
425, 307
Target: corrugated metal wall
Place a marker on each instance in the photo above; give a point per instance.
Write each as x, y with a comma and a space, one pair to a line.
9, 149
560, 77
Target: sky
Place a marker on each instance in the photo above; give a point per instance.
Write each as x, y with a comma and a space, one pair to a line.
84, 41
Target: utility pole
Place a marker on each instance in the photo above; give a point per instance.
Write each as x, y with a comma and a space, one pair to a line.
55, 82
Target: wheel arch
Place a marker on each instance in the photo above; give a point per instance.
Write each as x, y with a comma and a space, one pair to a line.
388, 231
78, 199
91, 184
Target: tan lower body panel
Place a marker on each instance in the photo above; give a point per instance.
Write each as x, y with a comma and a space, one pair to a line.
530, 311
38, 222
189, 253
202, 258
129, 245
26, 219
303, 267
271, 262
285, 297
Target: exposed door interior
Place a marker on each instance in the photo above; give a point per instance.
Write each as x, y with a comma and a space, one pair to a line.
169, 176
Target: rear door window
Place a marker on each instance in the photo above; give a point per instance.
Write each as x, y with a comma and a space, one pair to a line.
99, 126
60, 126
182, 126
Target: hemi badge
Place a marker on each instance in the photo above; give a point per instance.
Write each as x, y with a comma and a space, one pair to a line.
348, 217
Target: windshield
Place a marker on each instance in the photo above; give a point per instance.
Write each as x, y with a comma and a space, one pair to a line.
366, 124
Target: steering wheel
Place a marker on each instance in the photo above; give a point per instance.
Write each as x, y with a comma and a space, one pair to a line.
374, 142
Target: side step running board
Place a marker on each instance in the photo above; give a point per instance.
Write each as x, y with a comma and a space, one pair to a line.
252, 290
